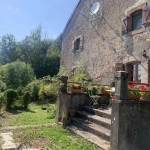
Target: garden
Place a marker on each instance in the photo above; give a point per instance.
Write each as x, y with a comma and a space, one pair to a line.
27, 101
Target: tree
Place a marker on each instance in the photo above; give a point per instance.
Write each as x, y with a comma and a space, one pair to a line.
17, 74
8, 52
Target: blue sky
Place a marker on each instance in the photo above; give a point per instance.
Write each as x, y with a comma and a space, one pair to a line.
20, 17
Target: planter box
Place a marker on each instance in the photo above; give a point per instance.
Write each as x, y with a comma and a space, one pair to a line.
75, 90
104, 92
134, 97
138, 97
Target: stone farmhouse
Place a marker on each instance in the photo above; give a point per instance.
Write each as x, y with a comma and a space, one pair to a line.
109, 36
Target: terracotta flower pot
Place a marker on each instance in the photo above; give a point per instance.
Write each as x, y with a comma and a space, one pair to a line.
104, 92
72, 112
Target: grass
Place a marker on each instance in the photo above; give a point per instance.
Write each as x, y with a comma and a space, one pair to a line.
53, 138
35, 115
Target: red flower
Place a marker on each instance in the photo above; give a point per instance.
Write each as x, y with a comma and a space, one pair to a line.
142, 87
112, 97
130, 85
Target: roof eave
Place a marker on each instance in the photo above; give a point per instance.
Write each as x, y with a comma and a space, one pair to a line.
71, 17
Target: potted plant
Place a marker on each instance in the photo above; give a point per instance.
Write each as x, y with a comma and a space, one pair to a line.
75, 88
138, 92
103, 89
72, 112
133, 95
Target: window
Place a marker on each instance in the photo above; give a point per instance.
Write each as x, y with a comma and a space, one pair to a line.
136, 20
134, 71
77, 44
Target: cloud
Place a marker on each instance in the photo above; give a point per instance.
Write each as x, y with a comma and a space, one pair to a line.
54, 36
9, 8
17, 10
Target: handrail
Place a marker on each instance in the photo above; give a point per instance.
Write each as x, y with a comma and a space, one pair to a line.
88, 83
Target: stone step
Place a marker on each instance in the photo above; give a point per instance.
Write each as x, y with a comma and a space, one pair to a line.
93, 128
8, 141
95, 119
103, 144
105, 113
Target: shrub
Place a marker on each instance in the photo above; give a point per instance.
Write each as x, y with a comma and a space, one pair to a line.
33, 89
26, 100
2, 100
2, 86
49, 88
11, 96
17, 74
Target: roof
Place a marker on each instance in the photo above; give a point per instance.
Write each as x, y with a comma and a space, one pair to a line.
71, 16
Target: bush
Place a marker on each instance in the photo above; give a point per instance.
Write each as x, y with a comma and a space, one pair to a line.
33, 89
2, 86
11, 96
26, 100
2, 100
49, 88
16, 74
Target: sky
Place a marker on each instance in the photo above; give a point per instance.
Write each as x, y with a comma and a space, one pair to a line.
20, 17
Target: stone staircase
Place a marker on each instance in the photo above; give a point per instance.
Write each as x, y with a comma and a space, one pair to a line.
94, 125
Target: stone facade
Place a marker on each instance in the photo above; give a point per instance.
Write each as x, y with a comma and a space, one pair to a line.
103, 42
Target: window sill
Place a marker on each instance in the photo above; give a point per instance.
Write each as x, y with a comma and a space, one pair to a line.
137, 31
78, 50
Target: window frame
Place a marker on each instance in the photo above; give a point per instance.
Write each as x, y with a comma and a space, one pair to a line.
77, 44
130, 13
78, 40
134, 15
136, 70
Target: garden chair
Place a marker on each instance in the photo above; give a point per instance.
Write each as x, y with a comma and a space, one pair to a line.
94, 97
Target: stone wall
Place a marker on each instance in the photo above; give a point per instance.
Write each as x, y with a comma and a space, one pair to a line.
67, 101
70, 101
105, 46
130, 127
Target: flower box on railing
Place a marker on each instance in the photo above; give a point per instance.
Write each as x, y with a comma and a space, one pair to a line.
73, 90
133, 97
104, 92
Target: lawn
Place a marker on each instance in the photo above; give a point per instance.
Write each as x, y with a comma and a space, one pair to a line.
35, 115
52, 138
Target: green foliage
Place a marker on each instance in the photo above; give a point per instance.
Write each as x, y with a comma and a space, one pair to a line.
33, 89
2, 100
8, 51
42, 53
2, 86
17, 74
26, 100
49, 88
11, 96
76, 75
